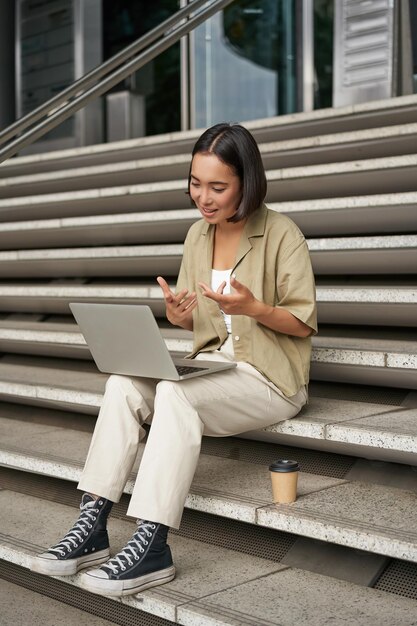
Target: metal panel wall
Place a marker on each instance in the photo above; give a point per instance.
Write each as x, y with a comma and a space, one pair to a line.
363, 51
58, 41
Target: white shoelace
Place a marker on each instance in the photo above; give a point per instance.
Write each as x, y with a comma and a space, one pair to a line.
133, 546
74, 536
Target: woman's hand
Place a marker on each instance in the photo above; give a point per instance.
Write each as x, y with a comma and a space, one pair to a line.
242, 302
179, 307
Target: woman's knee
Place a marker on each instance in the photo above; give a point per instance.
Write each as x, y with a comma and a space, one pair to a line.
117, 383
170, 393
166, 388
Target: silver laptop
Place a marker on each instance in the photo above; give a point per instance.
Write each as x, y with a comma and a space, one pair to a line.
125, 339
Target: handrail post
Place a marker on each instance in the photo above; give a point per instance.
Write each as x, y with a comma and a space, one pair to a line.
107, 83
97, 73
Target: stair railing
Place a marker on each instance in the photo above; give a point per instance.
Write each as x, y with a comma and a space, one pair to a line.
84, 90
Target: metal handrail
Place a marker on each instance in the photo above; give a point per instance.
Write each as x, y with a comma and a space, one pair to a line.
59, 109
98, 72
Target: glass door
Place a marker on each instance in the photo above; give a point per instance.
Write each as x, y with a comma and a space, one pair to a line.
243, 63
158, 82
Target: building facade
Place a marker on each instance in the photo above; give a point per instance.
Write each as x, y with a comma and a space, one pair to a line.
255, 59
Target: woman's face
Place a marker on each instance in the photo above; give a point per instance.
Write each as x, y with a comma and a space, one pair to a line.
214, 187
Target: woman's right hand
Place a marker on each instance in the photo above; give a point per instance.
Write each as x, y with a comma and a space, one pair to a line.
180, 306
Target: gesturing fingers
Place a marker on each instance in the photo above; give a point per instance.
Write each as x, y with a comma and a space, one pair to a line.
184, 303
168, 295
221, 287
209, 293
240, 287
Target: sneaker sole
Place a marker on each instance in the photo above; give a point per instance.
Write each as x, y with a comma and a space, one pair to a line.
120, 588
71, 566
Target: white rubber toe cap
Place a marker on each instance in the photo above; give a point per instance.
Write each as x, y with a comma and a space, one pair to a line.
97, 573
48, 555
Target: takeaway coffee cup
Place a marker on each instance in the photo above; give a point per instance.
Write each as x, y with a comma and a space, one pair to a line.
284, 477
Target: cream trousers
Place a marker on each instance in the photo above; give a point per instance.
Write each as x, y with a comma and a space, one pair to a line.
181, 412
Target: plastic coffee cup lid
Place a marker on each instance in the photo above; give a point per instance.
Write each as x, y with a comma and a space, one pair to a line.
284, 465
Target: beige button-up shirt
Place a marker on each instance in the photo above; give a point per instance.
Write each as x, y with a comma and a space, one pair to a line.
273, 262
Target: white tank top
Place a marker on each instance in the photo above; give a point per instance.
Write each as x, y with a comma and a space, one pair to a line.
217, 277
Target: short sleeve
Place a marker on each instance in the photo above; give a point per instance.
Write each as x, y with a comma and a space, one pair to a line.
295, 283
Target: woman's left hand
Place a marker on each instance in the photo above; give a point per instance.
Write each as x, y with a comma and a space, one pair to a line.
242, 302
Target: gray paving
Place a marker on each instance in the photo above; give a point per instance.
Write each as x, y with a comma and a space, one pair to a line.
23, 607
324, 216
364, 516
379, 175
379, 353
337, 255
221, 585
321, 121
293, 596
327, 420
342, 146
337, 304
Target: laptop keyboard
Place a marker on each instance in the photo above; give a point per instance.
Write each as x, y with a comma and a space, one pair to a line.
186, 369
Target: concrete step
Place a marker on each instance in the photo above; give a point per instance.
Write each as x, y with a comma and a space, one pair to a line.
368, 176
378, 213
363, 144
383, 254
66, 341
296, 125
377, 518
140, 228
390, 305
55, 297
335, 216
23, 606
373, 361
379, 431
221, 586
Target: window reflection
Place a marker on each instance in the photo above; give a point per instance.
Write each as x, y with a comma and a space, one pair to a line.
245, 62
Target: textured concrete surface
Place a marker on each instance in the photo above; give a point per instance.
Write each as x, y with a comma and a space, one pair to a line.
378, 295
382, 242
376, 353
326, 419
82, 291
374, 295
23, 607
373, 108
347, 203
364, 516
388, 165
80, 376
314, 417
91, 194
393, 429
361, 515
220, 586
292, 597
106, 169
236, 488
214, 569
164, 167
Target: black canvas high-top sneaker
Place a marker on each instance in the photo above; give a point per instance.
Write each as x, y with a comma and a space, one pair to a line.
145, 561
85, 545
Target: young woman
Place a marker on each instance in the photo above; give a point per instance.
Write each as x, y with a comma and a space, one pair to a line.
246, 290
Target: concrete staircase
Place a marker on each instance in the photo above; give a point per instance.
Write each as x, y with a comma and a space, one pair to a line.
98, 224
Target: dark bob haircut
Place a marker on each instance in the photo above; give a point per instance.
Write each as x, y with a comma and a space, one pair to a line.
235, 146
